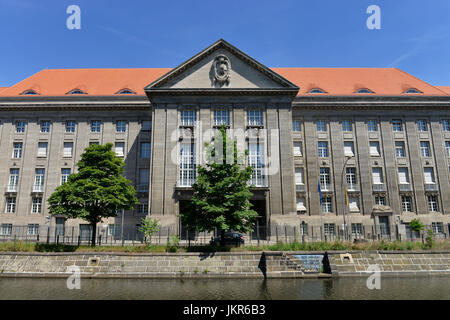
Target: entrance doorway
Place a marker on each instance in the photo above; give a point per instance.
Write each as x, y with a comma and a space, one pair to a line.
185, 234
260, 227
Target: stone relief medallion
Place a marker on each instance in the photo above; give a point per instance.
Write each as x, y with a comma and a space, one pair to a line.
222, 68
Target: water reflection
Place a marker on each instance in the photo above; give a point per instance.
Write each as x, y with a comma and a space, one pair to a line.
235, 289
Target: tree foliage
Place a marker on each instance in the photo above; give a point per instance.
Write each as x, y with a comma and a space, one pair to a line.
416, 225
148, 227
96, 191
221, 194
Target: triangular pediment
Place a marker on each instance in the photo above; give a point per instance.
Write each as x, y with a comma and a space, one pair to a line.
222, 68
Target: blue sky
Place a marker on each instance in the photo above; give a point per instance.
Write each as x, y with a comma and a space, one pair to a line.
414, 35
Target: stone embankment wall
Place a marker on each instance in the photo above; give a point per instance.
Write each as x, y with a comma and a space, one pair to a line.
390, 263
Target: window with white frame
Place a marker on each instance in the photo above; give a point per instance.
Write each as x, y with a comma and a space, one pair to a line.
256, 161
297, 148
353, 204
422, 125
296, 125
146, 125
300, 203
70, 126
377, 175
17, 150
144, 178
322, 149
143, 207
380, 200
351, 178
39, 180
20, 126
406, 204
437, 227
6, 229
400, 149
121, 126
221, 117
45, 126
42, 149
120, 149
349, 149
299, 176
10, 205
372, 125
329, 229
68, 149
403, 175
65, 173
357, 229
326, 204
425, 149
374, 148
145, 150
433, 203
33, 229
36, 205
254, 117
346, 125
187, 164
321, 126
447, 148
397, 125
324, 178
96, 126
13, 180
428, 174
188, 117
446, 125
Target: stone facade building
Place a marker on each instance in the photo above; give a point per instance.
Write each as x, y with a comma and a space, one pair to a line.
379, 133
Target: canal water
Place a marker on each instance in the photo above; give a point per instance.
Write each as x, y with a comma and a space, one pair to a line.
434, 288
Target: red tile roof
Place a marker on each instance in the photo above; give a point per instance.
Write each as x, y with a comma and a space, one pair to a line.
334, 81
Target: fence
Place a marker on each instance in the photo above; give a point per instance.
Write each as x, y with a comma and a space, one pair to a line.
259, 236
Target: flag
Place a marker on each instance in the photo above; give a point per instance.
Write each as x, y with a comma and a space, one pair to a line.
319, 190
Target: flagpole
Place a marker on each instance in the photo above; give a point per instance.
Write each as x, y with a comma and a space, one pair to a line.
320, 208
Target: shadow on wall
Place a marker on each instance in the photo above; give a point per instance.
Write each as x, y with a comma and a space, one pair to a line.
263, 264
326, 264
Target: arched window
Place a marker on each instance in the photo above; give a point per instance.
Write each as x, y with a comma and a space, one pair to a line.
29, 92
126, 91
76, 91
364, 90
412, 90
316, 90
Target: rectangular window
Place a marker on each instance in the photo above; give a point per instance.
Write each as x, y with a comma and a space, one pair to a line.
380, 200
94, 142
372, 125
329, 229
346, 125
187, 164
96, 125
301, 204
374, 148
403, 176
145, 150
120, 149
70, 126
351, 178
422, 125
17, 150
256, 161
114, 230
254, 118
39, 180
20, 126
446, 125
299, 176
406, 204
296, 125
377, 175
437, 227
323, 149
65, 173
146, 125
221, 117
121, 126
353, 204
13, 180
428, 174
36, 206
447, 148
349, 149
68, 149
321, 126
425, 149
6, 229
188, 117
45, 126
357, 229
144, 178
433, 203
42, 149
324, 178
143, 208
297, 148
397, 125
400, 149
32, 229
10, 205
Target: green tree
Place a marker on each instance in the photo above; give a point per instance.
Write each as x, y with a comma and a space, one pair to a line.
96, 191
221, 194
416, 225
148, 227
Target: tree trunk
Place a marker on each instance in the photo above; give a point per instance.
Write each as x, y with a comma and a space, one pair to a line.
94, 233
222, 238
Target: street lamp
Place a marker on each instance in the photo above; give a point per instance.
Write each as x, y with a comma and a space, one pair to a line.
343, 196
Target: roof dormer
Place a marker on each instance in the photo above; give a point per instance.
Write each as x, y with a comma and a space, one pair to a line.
412, 90
76, 91
29, 92
125, 91
364, 90
316, 90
